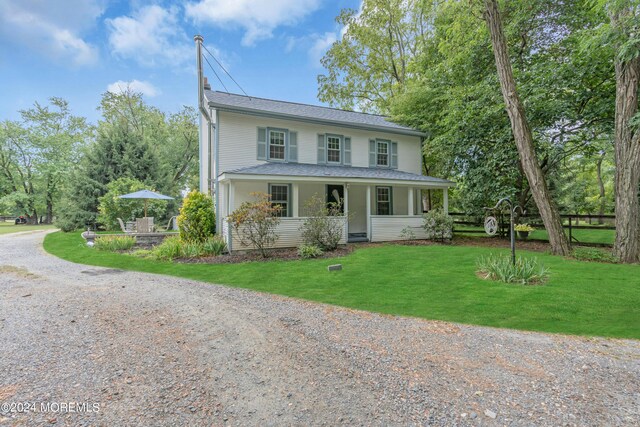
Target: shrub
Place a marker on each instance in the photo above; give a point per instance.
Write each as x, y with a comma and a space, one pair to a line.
114, 243
407, 234
197, 219
170, 248
255, 222
438, 225
214, 246
526, 271
593, 254
321, 226
309, 251
112, 207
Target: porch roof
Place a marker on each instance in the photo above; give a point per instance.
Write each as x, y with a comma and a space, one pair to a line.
312, 172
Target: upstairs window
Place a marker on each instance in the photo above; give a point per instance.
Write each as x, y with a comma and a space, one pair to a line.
333, 149
276, 144
382, 153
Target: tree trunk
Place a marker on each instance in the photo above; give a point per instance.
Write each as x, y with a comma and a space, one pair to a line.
602, 196
627, 157
522, 133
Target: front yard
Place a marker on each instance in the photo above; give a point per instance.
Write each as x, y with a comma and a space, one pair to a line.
432, 282
10, 227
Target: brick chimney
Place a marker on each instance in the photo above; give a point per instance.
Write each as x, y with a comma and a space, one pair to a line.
207, 86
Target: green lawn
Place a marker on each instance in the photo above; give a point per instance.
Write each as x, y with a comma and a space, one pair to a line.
10, 227
432, 282
594, 235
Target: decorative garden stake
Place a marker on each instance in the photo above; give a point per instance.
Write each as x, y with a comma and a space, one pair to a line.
488, 223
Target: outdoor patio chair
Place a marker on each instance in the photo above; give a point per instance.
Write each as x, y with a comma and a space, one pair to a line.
172, 224
144, 225
128, 228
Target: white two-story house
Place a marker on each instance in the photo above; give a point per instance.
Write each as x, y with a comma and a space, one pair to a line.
293, 151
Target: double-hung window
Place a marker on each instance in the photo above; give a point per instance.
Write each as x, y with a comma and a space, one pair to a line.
333, 149
276, 144
280, 196
383, 201
382, 153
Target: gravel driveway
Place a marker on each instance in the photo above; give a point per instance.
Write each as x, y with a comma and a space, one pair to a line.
107, 347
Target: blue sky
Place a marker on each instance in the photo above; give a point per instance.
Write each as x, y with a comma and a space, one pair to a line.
78, 49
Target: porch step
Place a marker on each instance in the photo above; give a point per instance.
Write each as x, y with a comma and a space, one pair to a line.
357, 238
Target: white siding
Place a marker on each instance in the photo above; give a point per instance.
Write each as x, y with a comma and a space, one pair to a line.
386, 228
289, 232
238, 138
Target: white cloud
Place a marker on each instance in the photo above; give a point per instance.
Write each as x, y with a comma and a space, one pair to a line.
53, 30
320, 46
152, 36
315, 44
257, 17
142, 87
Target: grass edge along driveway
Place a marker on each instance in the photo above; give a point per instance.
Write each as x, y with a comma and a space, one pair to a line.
432, 282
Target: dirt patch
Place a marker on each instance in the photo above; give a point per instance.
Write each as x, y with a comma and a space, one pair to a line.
18, 271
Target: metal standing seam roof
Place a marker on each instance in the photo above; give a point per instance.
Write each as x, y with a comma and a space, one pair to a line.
241, 103
326, 171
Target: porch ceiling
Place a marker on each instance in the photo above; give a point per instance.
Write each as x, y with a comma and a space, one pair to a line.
323, 173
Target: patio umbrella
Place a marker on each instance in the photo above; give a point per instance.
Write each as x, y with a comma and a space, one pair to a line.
146, 195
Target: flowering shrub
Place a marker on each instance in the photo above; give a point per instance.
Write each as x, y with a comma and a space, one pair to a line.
255, 222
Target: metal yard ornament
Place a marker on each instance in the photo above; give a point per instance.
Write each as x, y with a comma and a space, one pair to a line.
491, 224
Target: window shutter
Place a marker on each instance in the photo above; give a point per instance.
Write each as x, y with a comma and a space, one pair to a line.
293, 147
347, 151
394, 155
390, 200
322, 152
372, 153
262, 144
290, 201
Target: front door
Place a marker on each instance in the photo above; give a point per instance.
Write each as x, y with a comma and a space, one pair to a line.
335, 194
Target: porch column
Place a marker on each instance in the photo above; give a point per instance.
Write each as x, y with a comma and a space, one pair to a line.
369, 212
346, 198
445, 200
346, 210
232, 190
410, 196
294, 199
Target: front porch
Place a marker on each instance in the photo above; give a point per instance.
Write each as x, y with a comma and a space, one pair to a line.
375, 211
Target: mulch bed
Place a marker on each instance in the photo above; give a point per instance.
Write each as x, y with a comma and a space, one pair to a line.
286, 254
291, 254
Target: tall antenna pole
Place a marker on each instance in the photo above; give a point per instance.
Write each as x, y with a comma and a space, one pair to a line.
204, 153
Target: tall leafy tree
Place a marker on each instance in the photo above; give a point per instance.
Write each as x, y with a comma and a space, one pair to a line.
623, 34
522, 133
137, 141
37, 156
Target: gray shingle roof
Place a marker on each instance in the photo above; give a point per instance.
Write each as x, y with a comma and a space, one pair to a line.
241, 103
310, 170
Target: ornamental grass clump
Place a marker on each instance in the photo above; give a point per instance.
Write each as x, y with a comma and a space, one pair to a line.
309, 251
214, 246
114, 243
170, 248
525, 271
